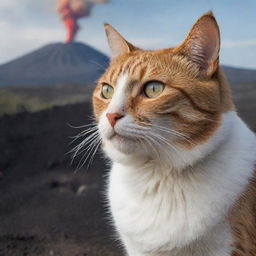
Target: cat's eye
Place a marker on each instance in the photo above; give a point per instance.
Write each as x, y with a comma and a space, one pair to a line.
153, 89
107, 91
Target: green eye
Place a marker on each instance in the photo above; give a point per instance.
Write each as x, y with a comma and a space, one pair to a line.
153, 89
107, 91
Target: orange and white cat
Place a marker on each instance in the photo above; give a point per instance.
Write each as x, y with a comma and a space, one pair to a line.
182, 179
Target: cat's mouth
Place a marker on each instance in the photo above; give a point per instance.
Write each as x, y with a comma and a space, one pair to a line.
124, 143
120, 137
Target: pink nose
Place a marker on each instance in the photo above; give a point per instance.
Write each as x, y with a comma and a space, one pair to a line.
113, 118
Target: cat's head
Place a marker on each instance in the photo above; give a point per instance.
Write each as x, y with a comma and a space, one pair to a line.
169, 100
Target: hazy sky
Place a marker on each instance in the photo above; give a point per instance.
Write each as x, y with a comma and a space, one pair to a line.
28, 24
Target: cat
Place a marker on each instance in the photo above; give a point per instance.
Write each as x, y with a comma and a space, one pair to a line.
182, 180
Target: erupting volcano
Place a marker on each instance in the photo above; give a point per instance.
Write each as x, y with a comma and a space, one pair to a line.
72, 10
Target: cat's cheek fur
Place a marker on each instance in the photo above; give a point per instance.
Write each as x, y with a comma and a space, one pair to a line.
158, 212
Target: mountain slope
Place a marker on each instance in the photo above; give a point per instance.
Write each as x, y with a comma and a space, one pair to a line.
240, 75
74, 63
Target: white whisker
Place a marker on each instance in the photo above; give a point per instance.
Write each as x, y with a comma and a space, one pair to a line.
173, 132
81, 126
89, 150
88, 145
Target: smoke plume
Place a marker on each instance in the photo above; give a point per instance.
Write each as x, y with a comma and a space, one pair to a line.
72, 10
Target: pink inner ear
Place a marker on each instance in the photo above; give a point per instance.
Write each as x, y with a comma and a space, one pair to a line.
203, 43
117, 43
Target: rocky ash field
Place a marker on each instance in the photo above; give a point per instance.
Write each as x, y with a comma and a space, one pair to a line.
47, 208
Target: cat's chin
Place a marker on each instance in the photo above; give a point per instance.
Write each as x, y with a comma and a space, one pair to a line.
124, 152
125, 145
120, 148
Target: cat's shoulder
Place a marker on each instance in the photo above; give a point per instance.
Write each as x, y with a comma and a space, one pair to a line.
243, 220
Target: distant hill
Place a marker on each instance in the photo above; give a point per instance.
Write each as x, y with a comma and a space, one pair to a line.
240, 75
55, 64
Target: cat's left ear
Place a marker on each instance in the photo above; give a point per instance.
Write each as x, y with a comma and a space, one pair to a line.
118, 45
202, 45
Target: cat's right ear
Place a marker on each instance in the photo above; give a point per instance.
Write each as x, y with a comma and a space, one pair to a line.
202, 44
118, 45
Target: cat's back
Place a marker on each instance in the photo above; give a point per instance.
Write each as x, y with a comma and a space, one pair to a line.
243, 221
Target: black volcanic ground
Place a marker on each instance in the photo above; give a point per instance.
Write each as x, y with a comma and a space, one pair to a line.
46, 208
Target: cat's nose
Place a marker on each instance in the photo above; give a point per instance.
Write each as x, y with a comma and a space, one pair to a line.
113, 118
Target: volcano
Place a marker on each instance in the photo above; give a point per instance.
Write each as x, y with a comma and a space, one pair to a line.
54, 64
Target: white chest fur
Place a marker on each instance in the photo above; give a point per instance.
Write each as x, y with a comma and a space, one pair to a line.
159, 211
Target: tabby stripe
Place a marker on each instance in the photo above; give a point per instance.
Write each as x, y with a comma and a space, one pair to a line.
192, 101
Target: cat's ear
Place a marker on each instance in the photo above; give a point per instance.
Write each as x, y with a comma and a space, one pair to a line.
118, 45
202, 45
